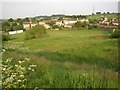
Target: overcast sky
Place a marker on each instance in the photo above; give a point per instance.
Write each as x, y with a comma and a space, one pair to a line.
27, 8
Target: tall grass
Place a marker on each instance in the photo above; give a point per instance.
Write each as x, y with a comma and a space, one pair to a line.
74, 59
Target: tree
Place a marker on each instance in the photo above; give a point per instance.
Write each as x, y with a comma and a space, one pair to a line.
98, 12
26, 19
10, 20
108, 12
14, 24
51, 23
56, 26
35, 32
18, 27
5, 26
80, 24
92, 21
33, 19
77, 24
18, 20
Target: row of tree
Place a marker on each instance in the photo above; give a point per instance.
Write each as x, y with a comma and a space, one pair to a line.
14, 24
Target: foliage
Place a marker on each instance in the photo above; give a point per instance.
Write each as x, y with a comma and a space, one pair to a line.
51, 23
98, 12
92, 21
5, 37
76, 16
35, 32
14, 75
5, 26
115, 34
13, 24
80, 24
92, 26
10, 20
26, 19
18, 20
69, 59
56, 26
18, 27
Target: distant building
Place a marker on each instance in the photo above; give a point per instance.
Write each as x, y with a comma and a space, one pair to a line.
116, 23
47, 26
70, 22
26, 25
15, 32
59, 23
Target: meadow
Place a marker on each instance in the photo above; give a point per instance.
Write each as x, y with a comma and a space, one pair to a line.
68, 58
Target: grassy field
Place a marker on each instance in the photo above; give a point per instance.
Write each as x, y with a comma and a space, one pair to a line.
68, 58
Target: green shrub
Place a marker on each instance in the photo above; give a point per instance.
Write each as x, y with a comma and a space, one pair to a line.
92, 26
18, 27
115, 34
35, 32
5, 37
80, 24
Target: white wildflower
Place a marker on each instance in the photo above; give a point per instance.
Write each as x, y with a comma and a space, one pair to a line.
22, 76
4, 69
27, 59
10, 79
3, 50
33, 70
20, 62
19, 80
16, 65
13, 75
29, 68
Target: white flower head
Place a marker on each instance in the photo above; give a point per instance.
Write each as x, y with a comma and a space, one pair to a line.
19, 80
27, 59
20, 62
22, 76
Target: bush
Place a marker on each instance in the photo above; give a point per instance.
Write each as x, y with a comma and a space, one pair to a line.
5, 37
92, 26
35, 32
115, 34
18, 27
80, 24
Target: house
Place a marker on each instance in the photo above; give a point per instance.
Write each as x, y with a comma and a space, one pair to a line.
42, 23
104, 21
34, 24
59, 23
116, 23
47, 26
68, 25
26, 25
83, 20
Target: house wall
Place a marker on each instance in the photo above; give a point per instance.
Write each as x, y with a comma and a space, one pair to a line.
32, 25
26, 26
47, 26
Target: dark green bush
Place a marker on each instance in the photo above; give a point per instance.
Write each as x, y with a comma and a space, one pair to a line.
18, 27
5, 37
92, 26
115, 34
80, 24
35, 32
